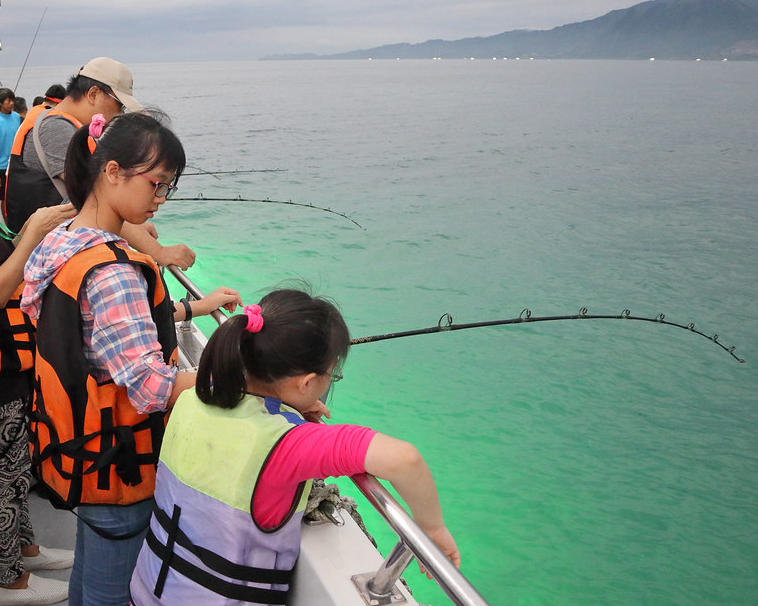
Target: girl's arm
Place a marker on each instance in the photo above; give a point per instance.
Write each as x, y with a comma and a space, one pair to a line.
402, 464
121, 339
141, 238
184, 380
227, 298
35, 228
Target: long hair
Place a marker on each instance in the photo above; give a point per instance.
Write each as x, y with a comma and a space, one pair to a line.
301, 334
133, 140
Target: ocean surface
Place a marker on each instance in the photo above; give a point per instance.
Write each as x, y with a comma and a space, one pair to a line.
581, 462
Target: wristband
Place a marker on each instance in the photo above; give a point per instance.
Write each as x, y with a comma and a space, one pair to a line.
187, 310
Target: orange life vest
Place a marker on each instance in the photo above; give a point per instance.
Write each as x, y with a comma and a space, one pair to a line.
89, 444
16, 336
16, 329
27, 188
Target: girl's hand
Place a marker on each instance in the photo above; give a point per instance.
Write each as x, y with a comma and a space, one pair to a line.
227, 298
444, 540
315, 412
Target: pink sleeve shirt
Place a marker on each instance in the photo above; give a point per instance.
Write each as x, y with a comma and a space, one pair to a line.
311, 450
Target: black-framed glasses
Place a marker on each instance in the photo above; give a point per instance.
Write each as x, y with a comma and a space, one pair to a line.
336, 375
161, 189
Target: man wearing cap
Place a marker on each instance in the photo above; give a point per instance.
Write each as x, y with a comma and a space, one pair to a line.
102, 86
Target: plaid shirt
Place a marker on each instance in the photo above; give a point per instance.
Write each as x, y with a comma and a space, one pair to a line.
120, 338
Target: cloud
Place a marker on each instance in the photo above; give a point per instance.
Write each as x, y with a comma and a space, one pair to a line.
194, 30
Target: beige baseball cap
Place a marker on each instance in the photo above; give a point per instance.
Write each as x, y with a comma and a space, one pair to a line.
114, 74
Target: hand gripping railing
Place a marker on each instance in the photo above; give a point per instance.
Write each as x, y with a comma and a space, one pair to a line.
194, 291
377, 587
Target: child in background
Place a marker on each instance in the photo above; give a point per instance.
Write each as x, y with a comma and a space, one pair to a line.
106, 348
237, 459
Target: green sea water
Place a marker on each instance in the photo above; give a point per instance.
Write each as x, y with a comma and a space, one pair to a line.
588, 462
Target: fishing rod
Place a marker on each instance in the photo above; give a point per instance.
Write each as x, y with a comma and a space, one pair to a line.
213, 173
30, 49
445, 324
202, 198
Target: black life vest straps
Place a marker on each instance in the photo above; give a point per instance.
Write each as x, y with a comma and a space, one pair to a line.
215, 562
112, 451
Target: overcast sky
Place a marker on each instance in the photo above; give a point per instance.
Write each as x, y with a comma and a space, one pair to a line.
137, 31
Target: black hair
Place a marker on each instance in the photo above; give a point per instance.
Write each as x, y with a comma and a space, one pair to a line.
57, 91
6, 93
38, 101
133, 140
79, 85
19, 105
301, 334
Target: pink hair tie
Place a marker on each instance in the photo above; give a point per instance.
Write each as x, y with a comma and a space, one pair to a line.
254, 318
96, 127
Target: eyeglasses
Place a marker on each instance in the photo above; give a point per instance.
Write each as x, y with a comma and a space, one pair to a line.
161, 189
336, 375
121, 106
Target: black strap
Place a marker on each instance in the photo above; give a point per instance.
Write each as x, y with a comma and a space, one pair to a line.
233, 591
187, 309
167, 551
218, 564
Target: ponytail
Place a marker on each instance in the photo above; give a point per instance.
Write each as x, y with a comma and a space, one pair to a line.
80, 177
221, 360
300, 334
133, 140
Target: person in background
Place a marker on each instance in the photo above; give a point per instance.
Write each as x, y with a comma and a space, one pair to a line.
54, 95
9, 123
20, 107
102, 86
84, 285
238, 457
19, 552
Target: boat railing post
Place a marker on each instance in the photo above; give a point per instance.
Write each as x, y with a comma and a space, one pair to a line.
413, 542
379, 587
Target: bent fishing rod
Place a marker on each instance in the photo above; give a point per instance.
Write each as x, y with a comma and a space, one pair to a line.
213, 173
445, 324
202, 198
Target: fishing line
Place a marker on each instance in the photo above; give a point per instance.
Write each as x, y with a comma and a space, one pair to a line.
15, 88
213, 173
267, 201
445, 324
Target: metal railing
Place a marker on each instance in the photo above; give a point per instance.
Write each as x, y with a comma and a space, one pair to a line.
413, 541
378, 587
193, 290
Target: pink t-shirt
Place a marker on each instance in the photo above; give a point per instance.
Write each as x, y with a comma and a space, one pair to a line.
311, 450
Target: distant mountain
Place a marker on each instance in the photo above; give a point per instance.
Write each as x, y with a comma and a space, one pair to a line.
664, 29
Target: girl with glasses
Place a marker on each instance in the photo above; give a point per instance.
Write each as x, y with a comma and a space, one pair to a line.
239, 455
106, 363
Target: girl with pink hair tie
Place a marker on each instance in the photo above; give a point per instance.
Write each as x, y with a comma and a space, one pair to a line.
239, 455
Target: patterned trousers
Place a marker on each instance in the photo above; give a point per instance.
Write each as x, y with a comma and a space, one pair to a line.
15, 477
